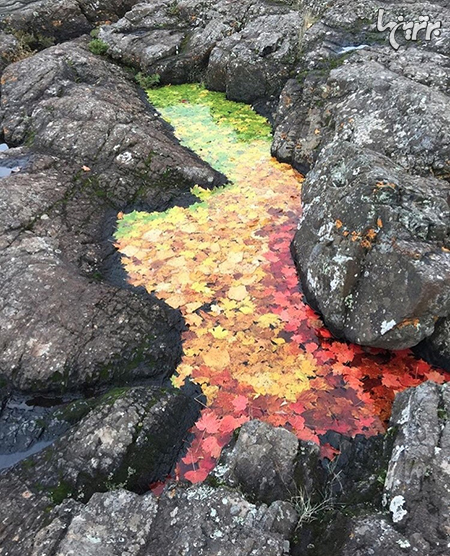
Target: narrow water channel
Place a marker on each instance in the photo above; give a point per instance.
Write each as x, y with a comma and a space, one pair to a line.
253, 344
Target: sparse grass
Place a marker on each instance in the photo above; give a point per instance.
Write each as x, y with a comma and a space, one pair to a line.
173, 8
147, 81
28, 44
309, 511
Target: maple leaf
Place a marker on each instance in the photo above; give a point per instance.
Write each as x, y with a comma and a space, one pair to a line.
240, 403
212, 447
196, 476
436, 377
230, 423
217, 358
237, 293
208, 423
219, 332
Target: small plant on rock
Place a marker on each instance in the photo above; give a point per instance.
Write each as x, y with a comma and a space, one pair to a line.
147, 81
99, 47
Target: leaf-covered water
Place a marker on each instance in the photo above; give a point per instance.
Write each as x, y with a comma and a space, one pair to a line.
255, 347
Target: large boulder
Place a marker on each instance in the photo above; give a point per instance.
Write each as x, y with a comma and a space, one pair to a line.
412, 515
417, 487
130, 437
370, 229
263, 462
63, 327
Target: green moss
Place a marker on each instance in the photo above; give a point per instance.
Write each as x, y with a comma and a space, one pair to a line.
30, 138
28, 463
62, 491
391, 432
73, 412
99, 47
113, 395
442, 414
381, 477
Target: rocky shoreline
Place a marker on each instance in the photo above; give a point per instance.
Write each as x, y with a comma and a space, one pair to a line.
369, 125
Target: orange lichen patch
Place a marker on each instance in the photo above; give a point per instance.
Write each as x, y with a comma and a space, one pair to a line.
408, 322
382, 185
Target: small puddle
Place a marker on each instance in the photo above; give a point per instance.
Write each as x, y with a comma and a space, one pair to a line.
8, 460
28, 425
6, 171
258, 351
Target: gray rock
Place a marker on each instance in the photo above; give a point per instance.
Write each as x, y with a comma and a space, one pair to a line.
130, 438
417, 487
197, 520
60, 20
256, 62
263, 462
414, 517
203, 521
375, 535
111, 524
362, 101
8, 49
49, 101
62, 328
350, 103
369, 229
247, 48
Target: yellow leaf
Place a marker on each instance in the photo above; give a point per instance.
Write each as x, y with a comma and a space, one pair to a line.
193, 319
279, 341
219, 332
217, 358
238, 293
176, 300
269, 319
228, 304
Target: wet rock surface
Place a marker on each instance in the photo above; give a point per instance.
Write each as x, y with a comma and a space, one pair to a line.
336, 507
128, 437
371, 122
131, 437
